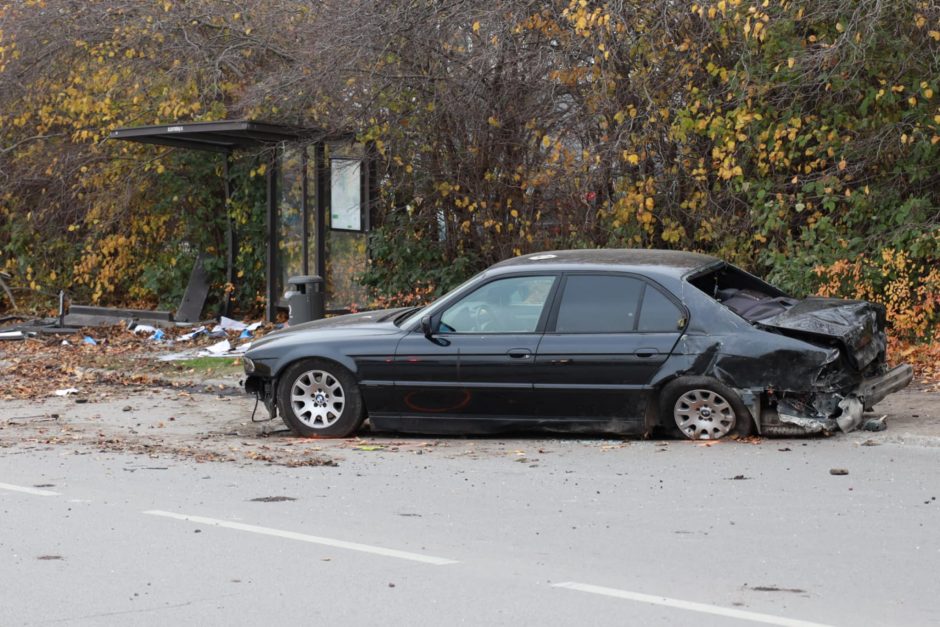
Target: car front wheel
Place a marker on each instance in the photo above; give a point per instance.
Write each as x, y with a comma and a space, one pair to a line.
320, 399
701, 408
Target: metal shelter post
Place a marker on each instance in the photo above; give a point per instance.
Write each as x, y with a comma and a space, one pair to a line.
270, 307
230, 238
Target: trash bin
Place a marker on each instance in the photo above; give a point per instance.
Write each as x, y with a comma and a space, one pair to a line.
304, 299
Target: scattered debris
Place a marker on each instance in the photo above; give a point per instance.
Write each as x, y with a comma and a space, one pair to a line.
272, 499
50, 557
91, 316
838, 471
65, 392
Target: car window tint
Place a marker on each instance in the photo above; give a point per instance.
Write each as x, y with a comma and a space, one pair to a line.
510, 305
598, 304
658, 314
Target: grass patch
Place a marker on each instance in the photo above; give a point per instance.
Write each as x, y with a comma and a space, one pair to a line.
210, 365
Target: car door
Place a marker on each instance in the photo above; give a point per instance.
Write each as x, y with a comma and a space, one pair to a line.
478, 362
607, 336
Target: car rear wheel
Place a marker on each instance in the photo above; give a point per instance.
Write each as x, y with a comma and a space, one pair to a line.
701, 408
320, 399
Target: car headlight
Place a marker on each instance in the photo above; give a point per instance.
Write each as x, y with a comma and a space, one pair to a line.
249, 365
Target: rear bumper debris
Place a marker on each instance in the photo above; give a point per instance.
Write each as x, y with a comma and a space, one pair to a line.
875, 389
802, 416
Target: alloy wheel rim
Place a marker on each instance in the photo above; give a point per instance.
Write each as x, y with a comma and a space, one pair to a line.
317, 399
704, 415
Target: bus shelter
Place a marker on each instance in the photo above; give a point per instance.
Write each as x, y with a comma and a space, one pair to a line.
319, 192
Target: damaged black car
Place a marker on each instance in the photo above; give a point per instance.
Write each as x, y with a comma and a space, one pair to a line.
596, 341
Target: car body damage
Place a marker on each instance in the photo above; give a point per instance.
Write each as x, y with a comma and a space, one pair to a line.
857, 326
822, 360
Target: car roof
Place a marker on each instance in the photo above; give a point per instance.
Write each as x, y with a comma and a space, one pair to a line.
671, 262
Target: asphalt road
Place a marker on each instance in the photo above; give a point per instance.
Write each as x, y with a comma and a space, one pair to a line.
568, 532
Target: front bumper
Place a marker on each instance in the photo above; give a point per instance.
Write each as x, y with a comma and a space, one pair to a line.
263, 389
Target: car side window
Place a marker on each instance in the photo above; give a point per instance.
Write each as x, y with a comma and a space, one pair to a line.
658, 314
510, 305
599, 304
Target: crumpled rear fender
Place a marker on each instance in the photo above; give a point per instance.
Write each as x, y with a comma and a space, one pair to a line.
751, 361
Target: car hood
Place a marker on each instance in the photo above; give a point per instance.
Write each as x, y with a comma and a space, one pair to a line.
857, 326
380, 321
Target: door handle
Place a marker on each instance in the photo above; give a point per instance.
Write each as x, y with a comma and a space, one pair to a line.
645, 352
520, 353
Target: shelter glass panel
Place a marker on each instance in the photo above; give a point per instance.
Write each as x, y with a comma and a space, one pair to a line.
290, 215
346, 260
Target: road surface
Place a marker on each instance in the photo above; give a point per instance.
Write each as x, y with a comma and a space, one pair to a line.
485, 532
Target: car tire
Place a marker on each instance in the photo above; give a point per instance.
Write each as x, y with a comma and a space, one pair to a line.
701, 408
320, 399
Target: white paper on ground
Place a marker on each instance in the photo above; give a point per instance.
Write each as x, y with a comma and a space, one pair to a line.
66, 392
144, 328
220, 347
191, 334
231, 325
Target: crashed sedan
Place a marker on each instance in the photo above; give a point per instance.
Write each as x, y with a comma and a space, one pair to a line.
597, 341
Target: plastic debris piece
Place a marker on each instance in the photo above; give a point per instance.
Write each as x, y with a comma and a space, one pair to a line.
838, 471
244, 334
144, 328
66, 343
90, 340
66, 391
158, 335
254, 326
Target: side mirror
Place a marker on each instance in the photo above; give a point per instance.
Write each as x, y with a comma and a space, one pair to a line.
426, 327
